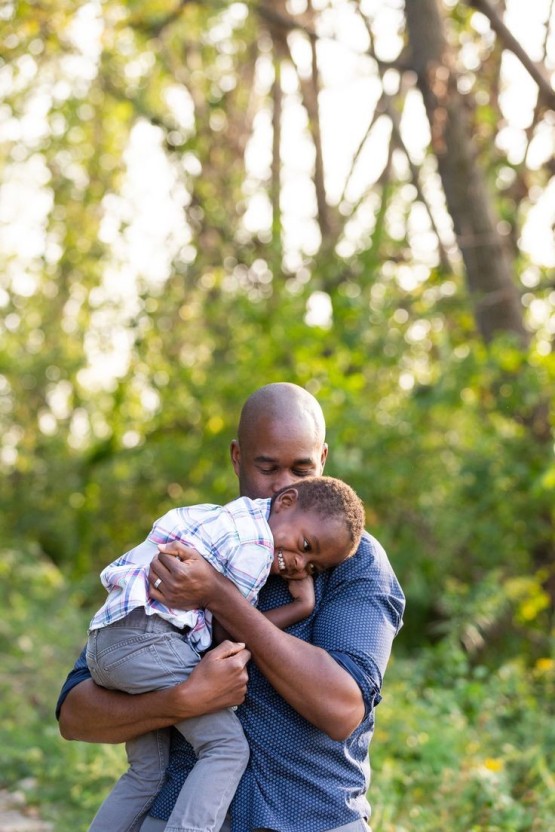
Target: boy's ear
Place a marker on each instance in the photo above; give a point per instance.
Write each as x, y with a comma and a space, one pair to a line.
286, 499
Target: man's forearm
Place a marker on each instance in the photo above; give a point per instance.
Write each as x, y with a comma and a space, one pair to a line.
300, 672
307, 677
93, 714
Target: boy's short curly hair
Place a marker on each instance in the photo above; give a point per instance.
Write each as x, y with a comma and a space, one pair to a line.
330, 497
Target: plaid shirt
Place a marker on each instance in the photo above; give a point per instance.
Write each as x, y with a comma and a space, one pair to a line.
235, 538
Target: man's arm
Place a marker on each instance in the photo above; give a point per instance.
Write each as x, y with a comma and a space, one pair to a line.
93, 714
301, 606
298, 671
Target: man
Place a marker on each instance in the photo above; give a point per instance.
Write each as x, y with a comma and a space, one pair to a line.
309, 710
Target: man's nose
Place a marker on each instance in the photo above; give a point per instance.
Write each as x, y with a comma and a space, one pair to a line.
283, 480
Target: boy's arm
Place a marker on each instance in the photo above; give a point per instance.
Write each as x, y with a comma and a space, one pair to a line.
302, 593
93, 714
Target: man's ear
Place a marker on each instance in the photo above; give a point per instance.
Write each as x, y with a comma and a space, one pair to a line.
285, 499
235, 453
324, 455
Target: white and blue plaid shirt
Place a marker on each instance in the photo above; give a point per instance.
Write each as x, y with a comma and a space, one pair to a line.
235, 538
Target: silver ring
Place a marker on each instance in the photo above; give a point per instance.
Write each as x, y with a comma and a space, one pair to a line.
157, 583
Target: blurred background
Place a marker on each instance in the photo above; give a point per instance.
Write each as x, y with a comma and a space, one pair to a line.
359, 197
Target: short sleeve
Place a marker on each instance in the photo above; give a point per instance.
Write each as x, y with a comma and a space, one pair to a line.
360, 614
237, 543
78, 674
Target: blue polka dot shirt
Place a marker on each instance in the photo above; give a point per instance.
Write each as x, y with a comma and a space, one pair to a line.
298, 779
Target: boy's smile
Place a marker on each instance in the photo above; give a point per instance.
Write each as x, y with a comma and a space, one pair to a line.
305, 542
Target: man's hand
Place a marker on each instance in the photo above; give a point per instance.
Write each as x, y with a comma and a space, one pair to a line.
220, 679
94, 714
180, 578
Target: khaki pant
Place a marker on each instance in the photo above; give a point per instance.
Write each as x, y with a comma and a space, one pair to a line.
139, 653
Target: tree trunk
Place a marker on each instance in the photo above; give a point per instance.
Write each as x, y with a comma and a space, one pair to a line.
486, 255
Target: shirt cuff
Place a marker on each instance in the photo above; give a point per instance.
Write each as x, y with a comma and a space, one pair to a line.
370, 693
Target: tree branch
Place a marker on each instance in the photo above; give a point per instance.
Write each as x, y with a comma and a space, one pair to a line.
276, 146
291, 24
536, 71
310, 96
154, 30
386, 105
309, 93
378, 111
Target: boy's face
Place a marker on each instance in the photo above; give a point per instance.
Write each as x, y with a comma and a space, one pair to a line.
305, 542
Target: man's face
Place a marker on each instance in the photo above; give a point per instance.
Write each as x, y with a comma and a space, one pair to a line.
276, 454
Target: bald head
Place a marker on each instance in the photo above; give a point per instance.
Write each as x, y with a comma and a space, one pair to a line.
281, 439
286, 403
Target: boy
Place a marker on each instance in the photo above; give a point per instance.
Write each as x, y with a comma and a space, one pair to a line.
138, 644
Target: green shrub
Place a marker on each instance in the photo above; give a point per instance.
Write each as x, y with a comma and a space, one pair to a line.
464, 749
41, 634
457, 747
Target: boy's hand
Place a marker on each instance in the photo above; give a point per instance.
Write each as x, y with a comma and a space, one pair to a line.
302, 592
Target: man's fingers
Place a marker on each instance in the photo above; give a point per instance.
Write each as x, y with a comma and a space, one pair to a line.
230, 648
163, 566
159, 567
158, 575
177, 551
169, 560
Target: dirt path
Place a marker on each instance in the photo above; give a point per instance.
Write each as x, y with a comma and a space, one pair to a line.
16, 816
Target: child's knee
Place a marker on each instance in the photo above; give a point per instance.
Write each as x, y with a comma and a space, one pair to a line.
151, 774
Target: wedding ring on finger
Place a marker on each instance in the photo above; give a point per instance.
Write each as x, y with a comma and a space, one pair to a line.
157, 583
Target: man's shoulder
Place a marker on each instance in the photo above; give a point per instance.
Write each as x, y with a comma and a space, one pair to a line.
369, 555
370, 562
366, 578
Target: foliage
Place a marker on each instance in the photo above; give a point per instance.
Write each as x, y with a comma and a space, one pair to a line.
121, 381
42, 631
457, 747
464, 748
174, 235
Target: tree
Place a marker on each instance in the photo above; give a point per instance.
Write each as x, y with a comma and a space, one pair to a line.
382, 262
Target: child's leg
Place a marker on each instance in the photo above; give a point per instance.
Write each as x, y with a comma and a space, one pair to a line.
223, 754
132, 796
138, 654
151, 824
